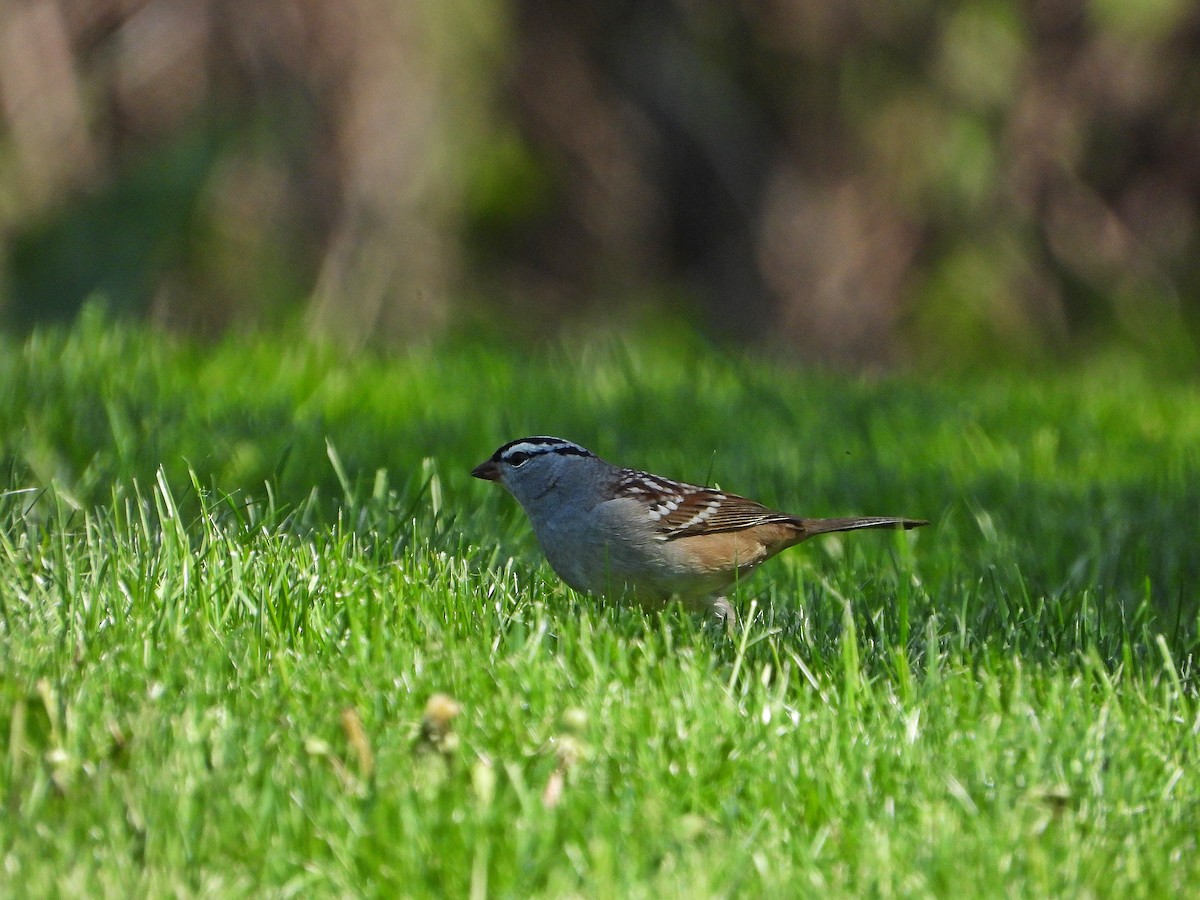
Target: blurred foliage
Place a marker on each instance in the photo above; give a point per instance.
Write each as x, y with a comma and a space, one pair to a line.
156, 230
942, 185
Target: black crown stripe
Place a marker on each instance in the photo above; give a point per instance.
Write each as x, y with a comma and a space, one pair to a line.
547, 445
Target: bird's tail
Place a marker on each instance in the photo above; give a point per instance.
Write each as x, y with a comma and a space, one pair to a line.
824, 526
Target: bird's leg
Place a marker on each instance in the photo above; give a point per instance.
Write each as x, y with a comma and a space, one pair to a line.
723, 613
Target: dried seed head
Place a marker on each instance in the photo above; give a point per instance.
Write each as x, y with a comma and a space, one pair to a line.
437, 725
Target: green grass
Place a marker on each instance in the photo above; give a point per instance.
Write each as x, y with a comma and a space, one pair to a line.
215, 561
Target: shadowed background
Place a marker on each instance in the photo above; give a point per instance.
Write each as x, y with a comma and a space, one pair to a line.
860, 184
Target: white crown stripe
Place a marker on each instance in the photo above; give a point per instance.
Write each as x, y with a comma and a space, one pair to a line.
524, 448
539, 447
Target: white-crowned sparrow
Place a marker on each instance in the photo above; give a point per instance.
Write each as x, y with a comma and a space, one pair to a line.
624, 533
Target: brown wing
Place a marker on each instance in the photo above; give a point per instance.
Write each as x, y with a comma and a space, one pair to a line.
681, 509
708, 511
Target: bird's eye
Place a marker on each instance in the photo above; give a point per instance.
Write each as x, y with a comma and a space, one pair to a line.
519, 459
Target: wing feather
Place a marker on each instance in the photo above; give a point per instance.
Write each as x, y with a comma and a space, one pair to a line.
682, 509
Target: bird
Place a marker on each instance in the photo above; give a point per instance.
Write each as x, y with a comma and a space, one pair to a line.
629, 535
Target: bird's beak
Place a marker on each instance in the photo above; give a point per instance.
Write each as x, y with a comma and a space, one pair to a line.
487, 470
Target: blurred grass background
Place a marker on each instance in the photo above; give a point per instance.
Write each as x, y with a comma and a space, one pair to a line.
938, 186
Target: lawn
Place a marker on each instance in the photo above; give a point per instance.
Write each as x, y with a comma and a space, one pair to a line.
235, 578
